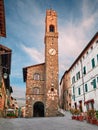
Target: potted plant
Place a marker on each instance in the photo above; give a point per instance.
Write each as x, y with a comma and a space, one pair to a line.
97, 117
11, 115
81, 117
91, 116
77, 113
72, 111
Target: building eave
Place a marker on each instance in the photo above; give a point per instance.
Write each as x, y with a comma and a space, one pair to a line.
6, 53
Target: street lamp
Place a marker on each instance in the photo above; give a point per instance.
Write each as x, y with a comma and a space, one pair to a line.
5, 75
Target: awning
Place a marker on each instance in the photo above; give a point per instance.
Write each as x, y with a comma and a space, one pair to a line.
89, 101
9, 110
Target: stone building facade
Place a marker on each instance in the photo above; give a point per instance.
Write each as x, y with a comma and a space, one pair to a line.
42, 79
5, 70
65, 92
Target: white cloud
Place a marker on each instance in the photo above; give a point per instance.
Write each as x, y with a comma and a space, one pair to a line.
19, 92
28, 17
19, 95
74, 37
90, 14
34, 53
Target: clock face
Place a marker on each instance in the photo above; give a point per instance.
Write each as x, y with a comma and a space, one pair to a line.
52, 51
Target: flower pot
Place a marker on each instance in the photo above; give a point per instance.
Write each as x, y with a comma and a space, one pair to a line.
97, 122
73, 117
88, 119
81, 118
93, 121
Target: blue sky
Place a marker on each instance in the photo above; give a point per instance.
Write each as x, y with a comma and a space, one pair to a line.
25, 28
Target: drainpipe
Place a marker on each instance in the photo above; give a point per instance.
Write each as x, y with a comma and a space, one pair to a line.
82, 80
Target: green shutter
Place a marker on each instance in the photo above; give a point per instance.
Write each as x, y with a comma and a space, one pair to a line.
73, 89
73, 79
79, 92
97, 79
97, 58
77, 76
94, 83
73, 97
86, 88
84, 70
93, 63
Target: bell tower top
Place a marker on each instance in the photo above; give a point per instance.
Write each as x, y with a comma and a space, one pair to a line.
51, 21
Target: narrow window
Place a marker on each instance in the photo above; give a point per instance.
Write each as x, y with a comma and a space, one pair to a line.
36, 76
86, 88
93, 63
94, 83
73, 89
79, 91
84, 70
73, 79
97, 79
79, 75
97, 58
74, 97
35, 90
51, 28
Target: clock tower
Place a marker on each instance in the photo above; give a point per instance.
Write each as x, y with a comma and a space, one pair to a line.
51, 63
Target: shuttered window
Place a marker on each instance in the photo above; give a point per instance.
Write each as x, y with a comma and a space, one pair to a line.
93, 63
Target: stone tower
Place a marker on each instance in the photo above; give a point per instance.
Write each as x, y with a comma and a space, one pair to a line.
42, 79
51, 63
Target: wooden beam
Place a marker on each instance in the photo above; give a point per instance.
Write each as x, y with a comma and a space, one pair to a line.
2, 19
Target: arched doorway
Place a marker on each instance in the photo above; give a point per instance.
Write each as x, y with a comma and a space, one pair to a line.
38, 109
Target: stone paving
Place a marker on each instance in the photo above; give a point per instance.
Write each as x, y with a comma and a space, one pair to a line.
51, 123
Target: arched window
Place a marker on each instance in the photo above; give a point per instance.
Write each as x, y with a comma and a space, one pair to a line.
51, 28
36, 90
36, 76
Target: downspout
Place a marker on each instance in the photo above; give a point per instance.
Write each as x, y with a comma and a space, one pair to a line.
82, 80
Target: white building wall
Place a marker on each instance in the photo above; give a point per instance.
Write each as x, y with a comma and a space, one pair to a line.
91, 74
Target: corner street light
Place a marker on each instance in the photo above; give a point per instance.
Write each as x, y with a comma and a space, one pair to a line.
5, 75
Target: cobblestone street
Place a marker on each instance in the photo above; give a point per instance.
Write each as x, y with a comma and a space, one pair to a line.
52, 123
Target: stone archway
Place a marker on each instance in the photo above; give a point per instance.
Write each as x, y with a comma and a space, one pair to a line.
38, 109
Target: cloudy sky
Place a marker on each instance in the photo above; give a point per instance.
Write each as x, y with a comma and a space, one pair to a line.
25, 28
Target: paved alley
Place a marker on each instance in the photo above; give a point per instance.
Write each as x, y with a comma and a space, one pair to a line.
50, 123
